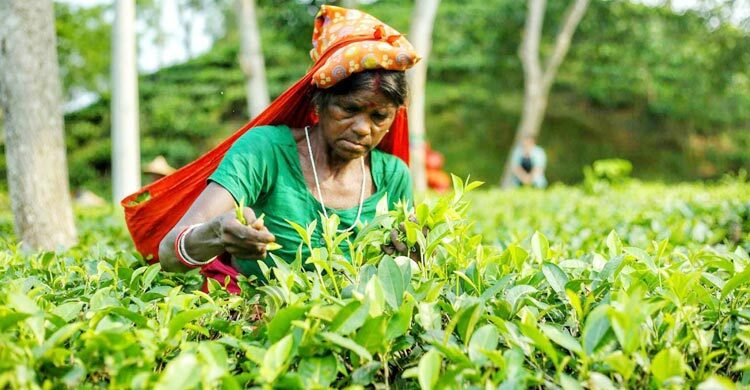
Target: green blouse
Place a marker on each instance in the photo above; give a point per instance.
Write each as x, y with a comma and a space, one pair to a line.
263, 168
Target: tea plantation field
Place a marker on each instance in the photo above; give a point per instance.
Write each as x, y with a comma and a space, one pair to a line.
636, 286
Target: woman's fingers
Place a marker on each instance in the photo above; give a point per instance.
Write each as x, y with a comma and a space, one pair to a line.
249, 215
259, 223
236, 233
259, 236
243, 252
397, 244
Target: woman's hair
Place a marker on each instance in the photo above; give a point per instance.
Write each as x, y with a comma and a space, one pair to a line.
391, 83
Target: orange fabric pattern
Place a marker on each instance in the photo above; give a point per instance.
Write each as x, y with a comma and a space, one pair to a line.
381, 45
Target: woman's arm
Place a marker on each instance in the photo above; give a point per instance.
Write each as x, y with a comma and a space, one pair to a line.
219, 231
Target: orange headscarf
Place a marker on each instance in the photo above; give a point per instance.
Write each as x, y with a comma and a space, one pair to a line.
382, 47
340, 37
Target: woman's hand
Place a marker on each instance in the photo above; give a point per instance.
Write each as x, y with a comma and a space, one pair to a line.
243, 241
400, 248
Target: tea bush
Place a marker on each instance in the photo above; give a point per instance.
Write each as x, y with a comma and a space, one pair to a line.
641, 286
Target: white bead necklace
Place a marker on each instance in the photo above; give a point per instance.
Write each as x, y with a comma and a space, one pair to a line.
320, 193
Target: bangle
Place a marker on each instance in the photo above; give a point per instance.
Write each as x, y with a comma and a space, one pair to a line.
181, 251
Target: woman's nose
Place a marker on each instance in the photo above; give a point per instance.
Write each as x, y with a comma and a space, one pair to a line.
361, 126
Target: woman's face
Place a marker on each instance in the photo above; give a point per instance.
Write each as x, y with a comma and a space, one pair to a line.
354, 124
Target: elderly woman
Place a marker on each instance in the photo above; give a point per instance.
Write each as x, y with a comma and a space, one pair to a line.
333, 164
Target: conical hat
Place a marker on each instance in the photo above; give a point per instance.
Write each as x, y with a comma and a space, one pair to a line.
159, 166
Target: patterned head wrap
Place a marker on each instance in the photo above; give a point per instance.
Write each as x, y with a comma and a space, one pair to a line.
359, 42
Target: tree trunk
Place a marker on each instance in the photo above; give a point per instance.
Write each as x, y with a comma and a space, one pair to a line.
251, 58
537, 80
30, 95
420, 36
126, 151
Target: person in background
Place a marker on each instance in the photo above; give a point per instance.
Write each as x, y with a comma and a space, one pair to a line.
528, 163
158, 168
437, 179
87, 198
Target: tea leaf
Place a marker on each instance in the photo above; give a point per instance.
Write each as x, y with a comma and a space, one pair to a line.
275, 359
392, 281
348, 344
429, 369
667, 364
555, 277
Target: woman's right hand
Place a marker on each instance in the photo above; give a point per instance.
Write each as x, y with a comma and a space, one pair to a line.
243, 241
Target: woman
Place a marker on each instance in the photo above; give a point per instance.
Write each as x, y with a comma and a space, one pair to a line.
290, 173
296, 171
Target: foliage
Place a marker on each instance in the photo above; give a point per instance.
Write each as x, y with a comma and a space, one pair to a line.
83, 35
603, 173
687, 215
632, 303
668, 92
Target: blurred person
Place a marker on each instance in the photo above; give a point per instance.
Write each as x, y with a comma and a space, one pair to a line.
528, 162
334, 143
87, 198
158, 168
437, 179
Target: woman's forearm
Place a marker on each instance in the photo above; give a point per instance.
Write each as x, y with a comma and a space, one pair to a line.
202, 243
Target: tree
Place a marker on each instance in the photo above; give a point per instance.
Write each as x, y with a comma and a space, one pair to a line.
83, 34
126, 160
189, 12
423, 19
538, 80
185, 13
152, 12
30, 96
251, 58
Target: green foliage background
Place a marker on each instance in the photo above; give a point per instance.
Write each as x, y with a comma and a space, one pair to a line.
663, 90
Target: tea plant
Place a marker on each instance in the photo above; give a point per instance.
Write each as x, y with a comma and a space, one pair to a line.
646, 287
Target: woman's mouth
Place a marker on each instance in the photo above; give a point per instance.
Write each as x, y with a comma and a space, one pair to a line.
354, 146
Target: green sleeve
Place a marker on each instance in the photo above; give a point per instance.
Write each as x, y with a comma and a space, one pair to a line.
247, 170
399, 183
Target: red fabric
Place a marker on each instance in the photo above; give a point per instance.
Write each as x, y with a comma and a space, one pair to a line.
171, 196
219, 270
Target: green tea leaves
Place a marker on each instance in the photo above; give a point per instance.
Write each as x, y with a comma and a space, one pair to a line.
614, 294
